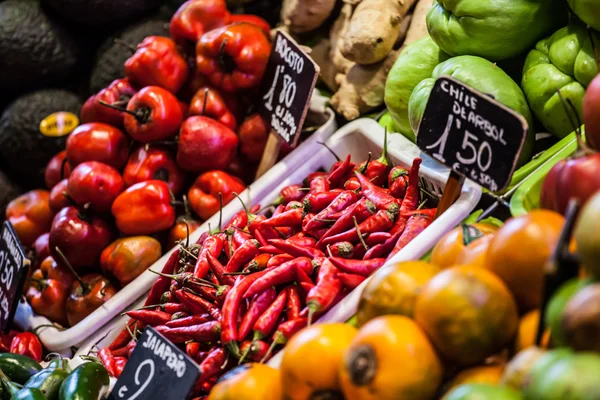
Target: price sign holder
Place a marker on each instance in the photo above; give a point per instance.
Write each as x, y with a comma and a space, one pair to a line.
286, 88
472, 134
561, 266
14, 266
157, 369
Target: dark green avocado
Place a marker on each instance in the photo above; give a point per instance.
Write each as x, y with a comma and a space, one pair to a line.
111, 56
102, 12
8, 191
24, 151
34, 50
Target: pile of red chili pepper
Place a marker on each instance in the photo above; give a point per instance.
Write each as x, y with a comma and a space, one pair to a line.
242, 291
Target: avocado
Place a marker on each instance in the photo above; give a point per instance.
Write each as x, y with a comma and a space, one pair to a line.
24, 151
111, 56
34, 50
8, 191
99, 13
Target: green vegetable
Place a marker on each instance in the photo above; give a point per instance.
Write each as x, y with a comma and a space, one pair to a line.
588, 11
387, 122
48, 381
565, 62
484, 76
494, 29
28, 394
415, 63
18, 368
89, 381
58, 362
8, 388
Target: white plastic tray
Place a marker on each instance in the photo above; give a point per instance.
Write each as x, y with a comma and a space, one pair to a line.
54, 340
358, 139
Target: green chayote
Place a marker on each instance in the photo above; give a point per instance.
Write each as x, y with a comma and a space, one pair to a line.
565, 62
482, 75
588, 11
415, 63
493, 29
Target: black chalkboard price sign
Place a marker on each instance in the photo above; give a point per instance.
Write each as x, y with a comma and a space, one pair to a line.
156, 370
474, 135
13, 272
286, 88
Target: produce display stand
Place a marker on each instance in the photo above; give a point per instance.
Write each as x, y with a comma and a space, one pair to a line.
357, 138
54, 339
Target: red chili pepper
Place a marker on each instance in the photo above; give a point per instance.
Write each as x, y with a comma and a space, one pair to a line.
194, 18
192, 348
205, 332
291, 218
212, 245
240, 220
204, 193
237, 237
279, 259
284, 333
189, 320
119, 366
316, 202
350, 281
296, 250
398, 181
254, 350
377, 195
267, 322
341, 249
259, 262
313, 175
267, 248
257, 307
233, 57
341, 202
219, 271
415, 225
231, 308
359, 267
173, 308
150, 317
27, 344
131, 346
197, 304
430, 212
157, 62
162, 283
338, 173
144, 208
294, 303
290, 193
293, 204
107, 359
302, 277
209, 102
319, 185
377, 170
376, 238
124, 336
307, 218
411, 199
360, 210
380, 221
212, 365
384, 248
284, 273
214, 294
321, 297
242, 255
352, 184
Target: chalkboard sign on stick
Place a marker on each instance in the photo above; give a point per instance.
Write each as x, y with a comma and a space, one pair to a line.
471, 133
157, 369
13, 272
286, 89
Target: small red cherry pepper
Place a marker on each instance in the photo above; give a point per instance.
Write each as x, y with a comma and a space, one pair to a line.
253, 133
209, 102
398, 181
204, 193
58, 168
233, 57
144, 208
196, 17
157, 62
153, 114
118, 94
148, 163
251, 19
27, 344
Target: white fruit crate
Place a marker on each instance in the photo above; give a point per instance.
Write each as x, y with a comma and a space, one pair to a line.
55, 340
358, 139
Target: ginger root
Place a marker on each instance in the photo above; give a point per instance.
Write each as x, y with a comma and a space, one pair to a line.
320, 54
418, 26
336, 37
305, 15
373, 30
362, 88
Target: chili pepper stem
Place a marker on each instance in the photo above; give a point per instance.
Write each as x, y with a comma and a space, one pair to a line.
364, 167
251, 216
277, 340
233, 349
204, 102
201, 282
329, 250
383, 159
245, 353
220, 211
360, 236
330, 150
84, 286
185, 250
